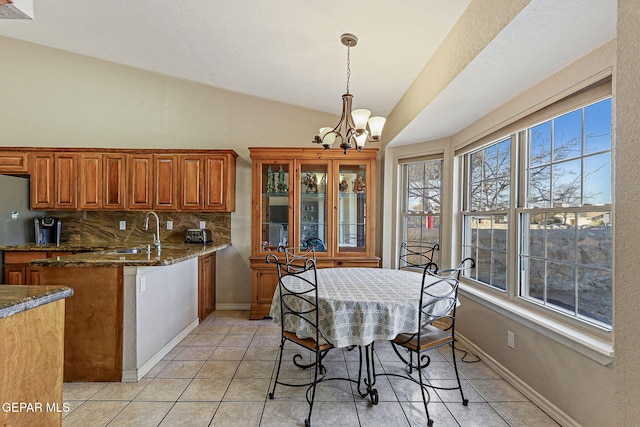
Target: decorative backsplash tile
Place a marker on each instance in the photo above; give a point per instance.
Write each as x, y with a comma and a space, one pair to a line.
103, 226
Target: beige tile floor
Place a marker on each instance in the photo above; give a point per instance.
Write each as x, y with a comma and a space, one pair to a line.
220, 374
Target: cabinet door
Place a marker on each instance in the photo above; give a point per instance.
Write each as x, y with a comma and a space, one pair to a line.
90, 181
114, 181
192, 185
354, 209
140, 180
41, 183
216, 183
15, 275
14, 162
66, 174
166, 182
313, 219
206, 286
273, 202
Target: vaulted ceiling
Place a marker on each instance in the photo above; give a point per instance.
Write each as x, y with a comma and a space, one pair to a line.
290, 50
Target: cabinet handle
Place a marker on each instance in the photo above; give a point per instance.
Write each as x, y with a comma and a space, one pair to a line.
339, 262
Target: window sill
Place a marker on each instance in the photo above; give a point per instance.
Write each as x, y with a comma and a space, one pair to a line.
592, 347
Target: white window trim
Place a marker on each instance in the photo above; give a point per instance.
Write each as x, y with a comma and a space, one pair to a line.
595, 348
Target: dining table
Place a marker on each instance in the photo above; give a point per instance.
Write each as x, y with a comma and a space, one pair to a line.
357, 306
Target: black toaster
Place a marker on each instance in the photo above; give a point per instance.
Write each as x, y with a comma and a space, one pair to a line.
199, 235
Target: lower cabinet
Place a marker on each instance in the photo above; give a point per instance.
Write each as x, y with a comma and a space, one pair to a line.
206, 285
93, 321
17, 270
31, 358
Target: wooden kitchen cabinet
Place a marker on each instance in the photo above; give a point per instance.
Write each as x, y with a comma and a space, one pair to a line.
166, 180
66, 180
14, 162
114, 181
41, 185
206, 285
310, 197
90, 179
207, 182
123, 179
16, 266
140, 181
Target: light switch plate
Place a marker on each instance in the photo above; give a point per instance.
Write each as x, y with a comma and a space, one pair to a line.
169, 225
123, 225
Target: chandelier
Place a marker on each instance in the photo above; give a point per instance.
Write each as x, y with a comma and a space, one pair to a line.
355, 127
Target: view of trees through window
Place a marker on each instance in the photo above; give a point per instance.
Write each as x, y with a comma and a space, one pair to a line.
563, 217
421, 202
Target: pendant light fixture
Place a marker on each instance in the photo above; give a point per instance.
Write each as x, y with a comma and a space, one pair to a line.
355, 127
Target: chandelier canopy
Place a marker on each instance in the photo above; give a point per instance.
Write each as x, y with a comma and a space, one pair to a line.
355, 127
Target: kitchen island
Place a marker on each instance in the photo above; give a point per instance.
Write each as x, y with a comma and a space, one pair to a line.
31, 358
129, 309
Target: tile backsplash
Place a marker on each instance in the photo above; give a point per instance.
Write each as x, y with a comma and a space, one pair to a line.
104, 226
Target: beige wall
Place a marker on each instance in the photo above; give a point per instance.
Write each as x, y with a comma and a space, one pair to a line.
577, 387
51, 98
626, 294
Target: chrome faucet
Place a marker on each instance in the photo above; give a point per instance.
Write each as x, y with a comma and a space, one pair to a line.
156, 235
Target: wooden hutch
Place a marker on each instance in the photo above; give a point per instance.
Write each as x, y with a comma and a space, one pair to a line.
308, 196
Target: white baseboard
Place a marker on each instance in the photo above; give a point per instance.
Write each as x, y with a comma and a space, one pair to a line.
232, 306
536, 398
133, 376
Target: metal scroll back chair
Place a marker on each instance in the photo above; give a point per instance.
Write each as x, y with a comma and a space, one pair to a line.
297, 256
438, 301
298, 291
416, 254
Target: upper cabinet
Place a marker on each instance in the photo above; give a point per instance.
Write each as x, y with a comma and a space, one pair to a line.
114, 181
14, 162
41, 186
208, 182
86, 179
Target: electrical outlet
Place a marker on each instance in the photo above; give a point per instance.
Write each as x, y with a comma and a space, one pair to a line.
169, 225
123, 225
203, 225
511, 339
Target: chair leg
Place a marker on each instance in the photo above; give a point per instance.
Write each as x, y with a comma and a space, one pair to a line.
275, 382
465, 402
424, 398
307, 421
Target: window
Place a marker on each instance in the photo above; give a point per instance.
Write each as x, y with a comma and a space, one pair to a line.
566, 248
486, 220
556, 195
422, 182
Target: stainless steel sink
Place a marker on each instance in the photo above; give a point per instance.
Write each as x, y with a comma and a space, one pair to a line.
129, 251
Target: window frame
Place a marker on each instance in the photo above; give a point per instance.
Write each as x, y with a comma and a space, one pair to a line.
517, 208
406, 214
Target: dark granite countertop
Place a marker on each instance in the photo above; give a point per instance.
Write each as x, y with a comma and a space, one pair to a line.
105, 254
170, 254
15, 299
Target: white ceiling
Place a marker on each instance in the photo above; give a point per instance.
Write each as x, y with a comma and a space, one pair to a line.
290, 50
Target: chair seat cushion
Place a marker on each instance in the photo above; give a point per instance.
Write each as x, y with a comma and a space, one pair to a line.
309, 343
430, 337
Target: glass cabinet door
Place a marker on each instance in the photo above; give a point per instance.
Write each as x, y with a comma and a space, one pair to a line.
274, 227
313, 207
352, 208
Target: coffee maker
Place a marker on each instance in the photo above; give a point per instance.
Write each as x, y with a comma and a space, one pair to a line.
47, 230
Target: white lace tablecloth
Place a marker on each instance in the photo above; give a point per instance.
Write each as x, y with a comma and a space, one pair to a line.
360, 305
